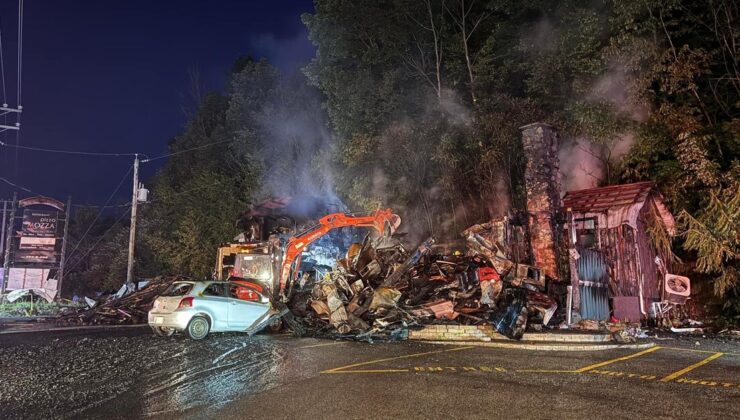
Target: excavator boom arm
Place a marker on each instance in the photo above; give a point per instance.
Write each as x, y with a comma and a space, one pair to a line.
378, 220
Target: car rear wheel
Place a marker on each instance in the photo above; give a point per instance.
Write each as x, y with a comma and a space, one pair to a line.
198, 328
163, 332
275, 326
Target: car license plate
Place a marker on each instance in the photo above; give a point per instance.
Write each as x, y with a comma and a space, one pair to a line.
159, 320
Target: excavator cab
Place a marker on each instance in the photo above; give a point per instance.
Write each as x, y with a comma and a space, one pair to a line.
276, 263
253, 266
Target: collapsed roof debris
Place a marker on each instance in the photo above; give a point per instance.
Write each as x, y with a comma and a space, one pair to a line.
380, 289
124, 307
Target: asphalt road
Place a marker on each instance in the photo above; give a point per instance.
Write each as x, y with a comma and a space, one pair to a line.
132, 374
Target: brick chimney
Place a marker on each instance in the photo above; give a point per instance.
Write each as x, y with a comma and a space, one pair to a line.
544, 205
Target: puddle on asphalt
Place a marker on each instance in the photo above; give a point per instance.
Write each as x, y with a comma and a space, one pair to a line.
143, 375
210, 373
186, 376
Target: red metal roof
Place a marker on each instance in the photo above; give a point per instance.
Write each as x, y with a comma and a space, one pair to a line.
595, 200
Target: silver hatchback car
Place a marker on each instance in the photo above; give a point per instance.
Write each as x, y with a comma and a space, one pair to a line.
200, 307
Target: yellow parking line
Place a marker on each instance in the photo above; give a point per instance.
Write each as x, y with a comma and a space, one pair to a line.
675, 375
699, 351
323, 344
372, 371
618, 359
341, 369
546, 371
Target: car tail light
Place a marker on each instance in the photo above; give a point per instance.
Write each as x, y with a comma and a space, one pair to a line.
186, 303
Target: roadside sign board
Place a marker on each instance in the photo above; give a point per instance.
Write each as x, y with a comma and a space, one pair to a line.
39, 237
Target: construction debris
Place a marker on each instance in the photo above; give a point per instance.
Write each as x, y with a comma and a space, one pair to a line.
381, 289
124, 307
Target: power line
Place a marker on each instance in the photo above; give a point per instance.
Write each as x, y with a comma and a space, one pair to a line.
20, 49
215, 183
84, 153
82, 258
2, 66
99, 213
20, 187
187, 150
107, 206
96, 206
67, 152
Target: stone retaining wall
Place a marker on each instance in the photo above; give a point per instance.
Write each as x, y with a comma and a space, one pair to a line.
455, 333
487, 333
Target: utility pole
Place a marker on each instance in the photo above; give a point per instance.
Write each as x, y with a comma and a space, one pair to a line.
63, 255
132, 230
2, 235
8, 243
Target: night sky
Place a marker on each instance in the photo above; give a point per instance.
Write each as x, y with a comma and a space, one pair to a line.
110, 76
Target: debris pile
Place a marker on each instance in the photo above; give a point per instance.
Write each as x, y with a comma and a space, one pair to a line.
125, 307
381, 289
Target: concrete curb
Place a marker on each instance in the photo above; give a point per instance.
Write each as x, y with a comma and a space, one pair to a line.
569, 337
546, 347
91, 328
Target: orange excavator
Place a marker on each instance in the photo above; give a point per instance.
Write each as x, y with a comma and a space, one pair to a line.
275, 263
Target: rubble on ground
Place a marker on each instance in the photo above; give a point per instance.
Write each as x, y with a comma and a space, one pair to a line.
127, 306
381, 289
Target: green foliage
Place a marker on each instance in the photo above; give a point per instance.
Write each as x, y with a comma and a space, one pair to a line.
425, 119
715, 237
651, 85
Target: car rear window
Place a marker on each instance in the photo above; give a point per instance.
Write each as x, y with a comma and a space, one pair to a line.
178, 289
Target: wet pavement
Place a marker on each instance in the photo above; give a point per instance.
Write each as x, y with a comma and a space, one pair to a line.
132, 374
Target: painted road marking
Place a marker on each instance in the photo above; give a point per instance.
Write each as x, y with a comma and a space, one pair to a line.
699, 351
591, 369
622, 374
342, 369
323, 344
618, 374
457, 369
618, 359
688, 369
706, 383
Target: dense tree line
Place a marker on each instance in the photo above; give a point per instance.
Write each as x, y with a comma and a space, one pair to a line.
416, 104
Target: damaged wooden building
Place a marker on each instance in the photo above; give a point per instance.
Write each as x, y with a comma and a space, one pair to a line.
610, 245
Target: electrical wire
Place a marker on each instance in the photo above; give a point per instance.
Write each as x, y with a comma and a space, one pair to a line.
187, 150
20, 50
2, 66
94, 206
100, 212
216, 183
67, 152
82, 258
83, 153
5, 95
20, 187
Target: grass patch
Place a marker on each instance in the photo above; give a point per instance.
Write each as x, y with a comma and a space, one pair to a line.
39, 307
